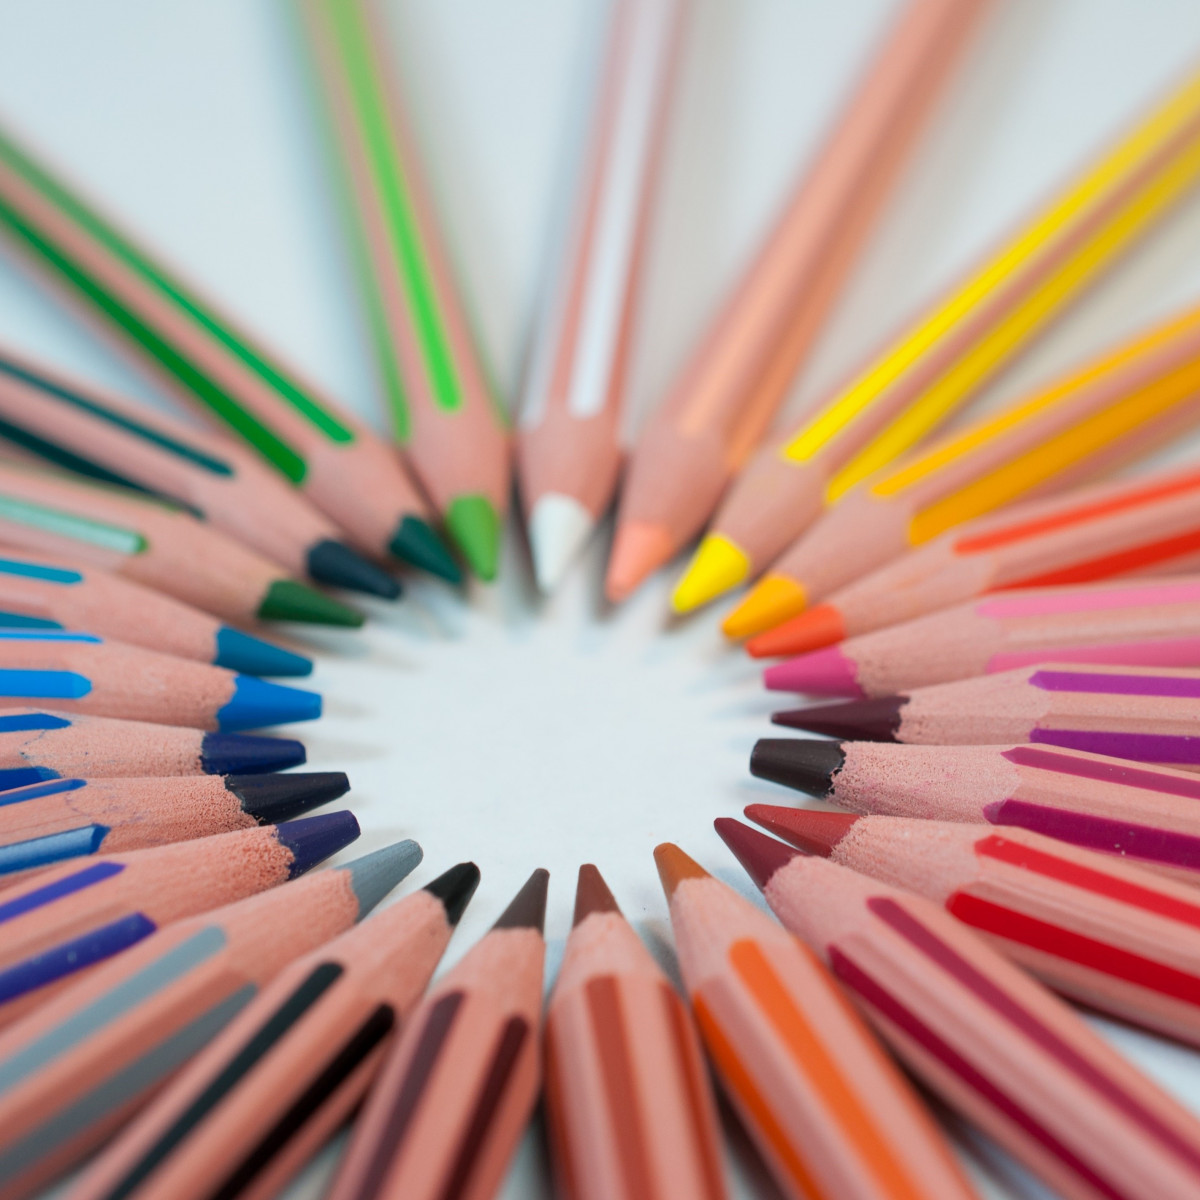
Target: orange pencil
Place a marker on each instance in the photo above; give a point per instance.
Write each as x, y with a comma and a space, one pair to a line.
628, 1102
716, 410
289, 1069
827, 1109
455, 1093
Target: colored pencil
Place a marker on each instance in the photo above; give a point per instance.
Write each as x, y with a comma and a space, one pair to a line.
627, 1098
79, 1067
715, 411
828, 1111
569, 438
85, 673
980, 1033
443, 409
1139, 713
956, 347
331, 457
1148, 816
288, 1070
117, 440
1142, 526
455, 1092
40, 593
46, 823
1125, 403
37, 744
154, 544
1151, 624
1104, 933
67, 919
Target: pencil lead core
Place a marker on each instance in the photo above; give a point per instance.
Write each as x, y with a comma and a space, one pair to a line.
527, 909
760, 855
855, 720
454, 888
806, 764
674, 866
592, 895
807, 829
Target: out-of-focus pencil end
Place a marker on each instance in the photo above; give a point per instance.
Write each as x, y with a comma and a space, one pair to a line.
775, 599
821, 626
717, 567
807, 829
336, 564
761, 856
638, 551
290, 600
592, 895
475, 526
674, 866
826, 672
527, 909
559, 527
416, 543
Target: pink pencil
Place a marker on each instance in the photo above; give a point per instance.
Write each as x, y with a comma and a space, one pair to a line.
1129, 624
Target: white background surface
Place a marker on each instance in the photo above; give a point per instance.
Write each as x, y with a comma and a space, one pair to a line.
517, 732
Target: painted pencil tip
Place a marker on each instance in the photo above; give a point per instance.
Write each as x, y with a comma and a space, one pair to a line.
454, 888
759, 855
416, 543
805, 764
638, 551
270, 799
375, 874
527, 909
289, 600
807, 829
826, 672
821, 626
238, 651
559, 526
775, 598
17, 777
717, 567
592, 895
475, 524
314, 839
336, 564
246, 754
674, 866
855, 720
256, 702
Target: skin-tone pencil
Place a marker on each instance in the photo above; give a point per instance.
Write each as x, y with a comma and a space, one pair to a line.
956, 347
1121, 405
1140, 713
830, 1113
39, 744
454, 1094
1147, 815
154, 544
106, 436
84, 673
627, 1097
1146, 526
1151, 624
46, 823
338, 464
63, 921
40, 593
715, 411
437, 385
980, 1033
74, 1071
569, 437
253, 1106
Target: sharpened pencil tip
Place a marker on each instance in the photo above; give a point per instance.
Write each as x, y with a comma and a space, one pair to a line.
674, 866
717, 567
855, 721
638, 551
806, 764
454, 888
774, 599
238, 651
270, 799
314, 839
807, 829
415, 542
336, 564
826, 672
256, 703
592, 895
475, 526
559, 526
821, 626
246, 753
374, 875
527, 909
760, 855
289, 600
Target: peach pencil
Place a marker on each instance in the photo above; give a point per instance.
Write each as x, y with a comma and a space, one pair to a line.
627, 1098
154, 544
716, 409
109, 679
335, 461
74, 1071
109, 437
37, 744
1151, 624
455, 1092
1147, 526
955, 347
254, 1105
997, 1047
41, 593
827, 1109
568, 447
67, 919
437, 386
1104, 414
1149, 816
1140, 713
46, 823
